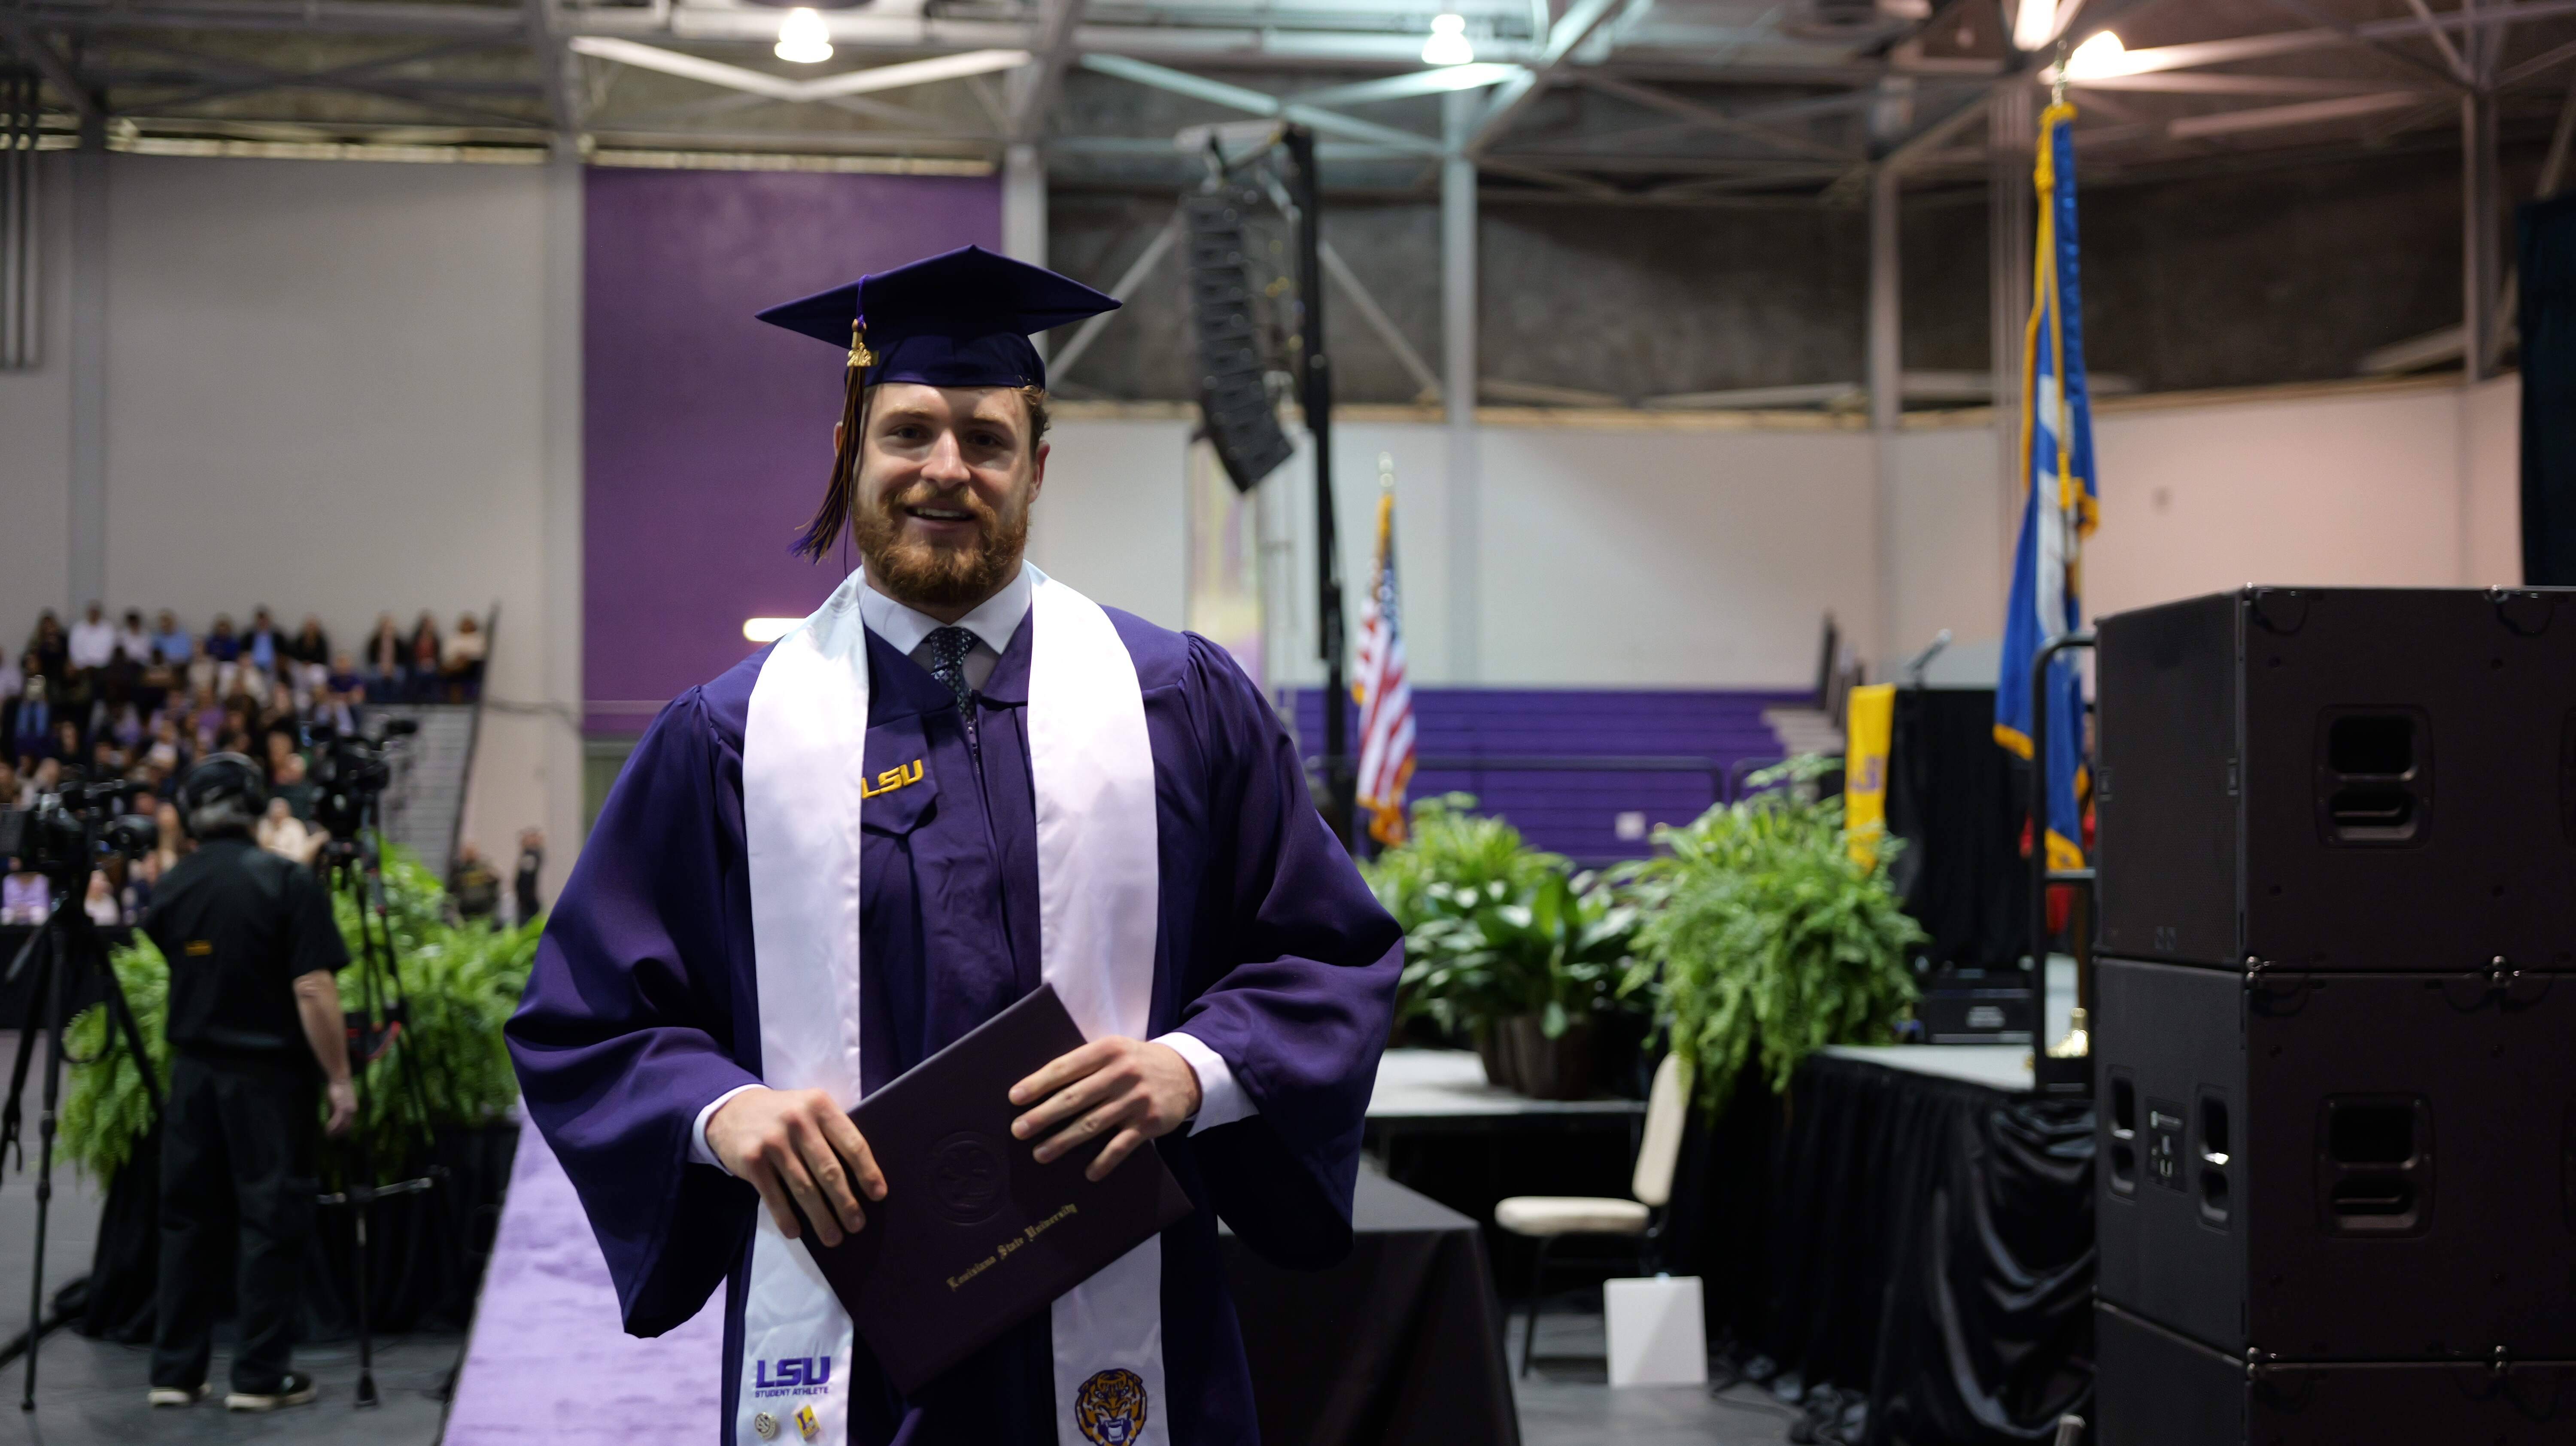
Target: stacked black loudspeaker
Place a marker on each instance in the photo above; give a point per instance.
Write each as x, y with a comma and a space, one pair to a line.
2335, 1037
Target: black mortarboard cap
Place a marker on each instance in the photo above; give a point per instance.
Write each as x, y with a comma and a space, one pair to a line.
962, 318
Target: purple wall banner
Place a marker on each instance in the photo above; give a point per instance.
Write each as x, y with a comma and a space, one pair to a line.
707, 435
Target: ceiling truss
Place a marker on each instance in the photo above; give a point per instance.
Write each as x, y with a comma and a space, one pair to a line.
1702, 102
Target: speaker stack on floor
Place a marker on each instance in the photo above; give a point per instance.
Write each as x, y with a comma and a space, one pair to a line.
2335, 1039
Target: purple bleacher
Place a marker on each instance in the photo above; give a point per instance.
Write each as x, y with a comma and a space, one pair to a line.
1576, 812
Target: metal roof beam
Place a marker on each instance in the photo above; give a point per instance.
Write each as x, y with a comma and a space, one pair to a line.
2193, 54
1437, 80
779, 87
556, 69
1571, 29
1712, 118
22, 37
1255, 102
1034, 89
334, 77
252, 75
2352, 32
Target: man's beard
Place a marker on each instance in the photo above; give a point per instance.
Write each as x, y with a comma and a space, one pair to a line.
926, 574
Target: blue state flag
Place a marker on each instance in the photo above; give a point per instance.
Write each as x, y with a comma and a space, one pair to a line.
2057, 466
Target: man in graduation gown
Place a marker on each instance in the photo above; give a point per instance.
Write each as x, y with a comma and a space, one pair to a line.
958, 779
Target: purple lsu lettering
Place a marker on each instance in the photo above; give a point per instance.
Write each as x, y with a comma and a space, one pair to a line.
793, 1373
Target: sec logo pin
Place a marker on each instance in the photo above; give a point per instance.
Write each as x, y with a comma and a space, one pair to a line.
766, 1424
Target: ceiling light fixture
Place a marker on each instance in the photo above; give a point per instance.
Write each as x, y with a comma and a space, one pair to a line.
2034, 25
768, 630
803, 38
1448, 44
2101, 56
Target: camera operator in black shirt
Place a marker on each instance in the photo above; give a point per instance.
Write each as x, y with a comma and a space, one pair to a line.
255, 1025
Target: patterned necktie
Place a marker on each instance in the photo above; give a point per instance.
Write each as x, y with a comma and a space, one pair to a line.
948, 650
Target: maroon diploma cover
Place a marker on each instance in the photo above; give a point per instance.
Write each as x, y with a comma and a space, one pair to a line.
974, 1235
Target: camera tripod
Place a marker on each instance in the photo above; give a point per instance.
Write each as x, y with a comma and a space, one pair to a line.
72, 951
354, 867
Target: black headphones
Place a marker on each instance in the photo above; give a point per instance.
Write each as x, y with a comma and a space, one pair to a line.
220, 776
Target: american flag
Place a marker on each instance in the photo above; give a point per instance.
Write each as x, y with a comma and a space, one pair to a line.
1379, 685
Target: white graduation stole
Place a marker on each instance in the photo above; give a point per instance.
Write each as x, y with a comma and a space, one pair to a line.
804, 765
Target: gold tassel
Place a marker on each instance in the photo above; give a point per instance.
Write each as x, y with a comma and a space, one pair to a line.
825, 528
860, 357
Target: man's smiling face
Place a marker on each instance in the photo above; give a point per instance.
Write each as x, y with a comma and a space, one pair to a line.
946, 478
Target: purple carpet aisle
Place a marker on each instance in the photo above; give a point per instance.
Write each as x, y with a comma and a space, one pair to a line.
548, 1362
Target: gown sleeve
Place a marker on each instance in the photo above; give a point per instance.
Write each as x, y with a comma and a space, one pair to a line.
1301, 966
626, 1029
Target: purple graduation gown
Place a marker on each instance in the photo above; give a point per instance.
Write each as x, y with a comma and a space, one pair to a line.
1271, 950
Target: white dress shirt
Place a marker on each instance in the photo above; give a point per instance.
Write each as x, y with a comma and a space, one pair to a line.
1221, 1098
92, 645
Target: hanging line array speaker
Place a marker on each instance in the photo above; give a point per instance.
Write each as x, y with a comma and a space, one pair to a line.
1234, 400
18, 245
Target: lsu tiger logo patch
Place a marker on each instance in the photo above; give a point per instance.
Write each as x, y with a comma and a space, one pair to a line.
1110, 1408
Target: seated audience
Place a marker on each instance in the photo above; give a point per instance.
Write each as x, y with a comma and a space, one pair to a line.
32, 732
424, 652
280, 832
289, 783
133, 643
100, 903
221, 645
262, 646
461, 665
386, 652
50, 646
170, 642
310, 646
13, 686
92, 645
22, 896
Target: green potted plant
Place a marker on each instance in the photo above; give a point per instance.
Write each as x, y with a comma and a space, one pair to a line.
1503, 945
462, 983
1769, 937
1542, 963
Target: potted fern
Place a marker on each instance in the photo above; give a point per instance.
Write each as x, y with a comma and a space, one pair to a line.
1769, 938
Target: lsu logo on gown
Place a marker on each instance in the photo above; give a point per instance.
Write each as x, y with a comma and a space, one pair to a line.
1110, 1408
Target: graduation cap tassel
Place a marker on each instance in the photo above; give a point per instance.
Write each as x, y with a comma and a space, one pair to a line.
825, 529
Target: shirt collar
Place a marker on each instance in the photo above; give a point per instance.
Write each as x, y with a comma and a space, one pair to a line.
992, 622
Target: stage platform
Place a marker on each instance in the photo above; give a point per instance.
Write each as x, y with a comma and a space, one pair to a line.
1424, 1087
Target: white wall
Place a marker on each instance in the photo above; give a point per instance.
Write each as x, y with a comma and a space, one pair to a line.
1611, 557
1646, 557
2389, 487
325, 394
36, 433
2491, 473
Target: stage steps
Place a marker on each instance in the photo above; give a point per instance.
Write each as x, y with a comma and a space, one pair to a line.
426, 800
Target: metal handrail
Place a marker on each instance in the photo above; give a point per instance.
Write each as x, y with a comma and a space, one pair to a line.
473, 738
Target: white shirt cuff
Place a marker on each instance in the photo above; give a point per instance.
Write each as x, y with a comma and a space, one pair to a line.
698, 1149
1221, 1100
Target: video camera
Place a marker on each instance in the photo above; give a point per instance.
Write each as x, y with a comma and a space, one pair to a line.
349, 771
74, 829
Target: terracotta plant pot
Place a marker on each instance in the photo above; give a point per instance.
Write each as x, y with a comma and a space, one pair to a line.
1544, 1068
